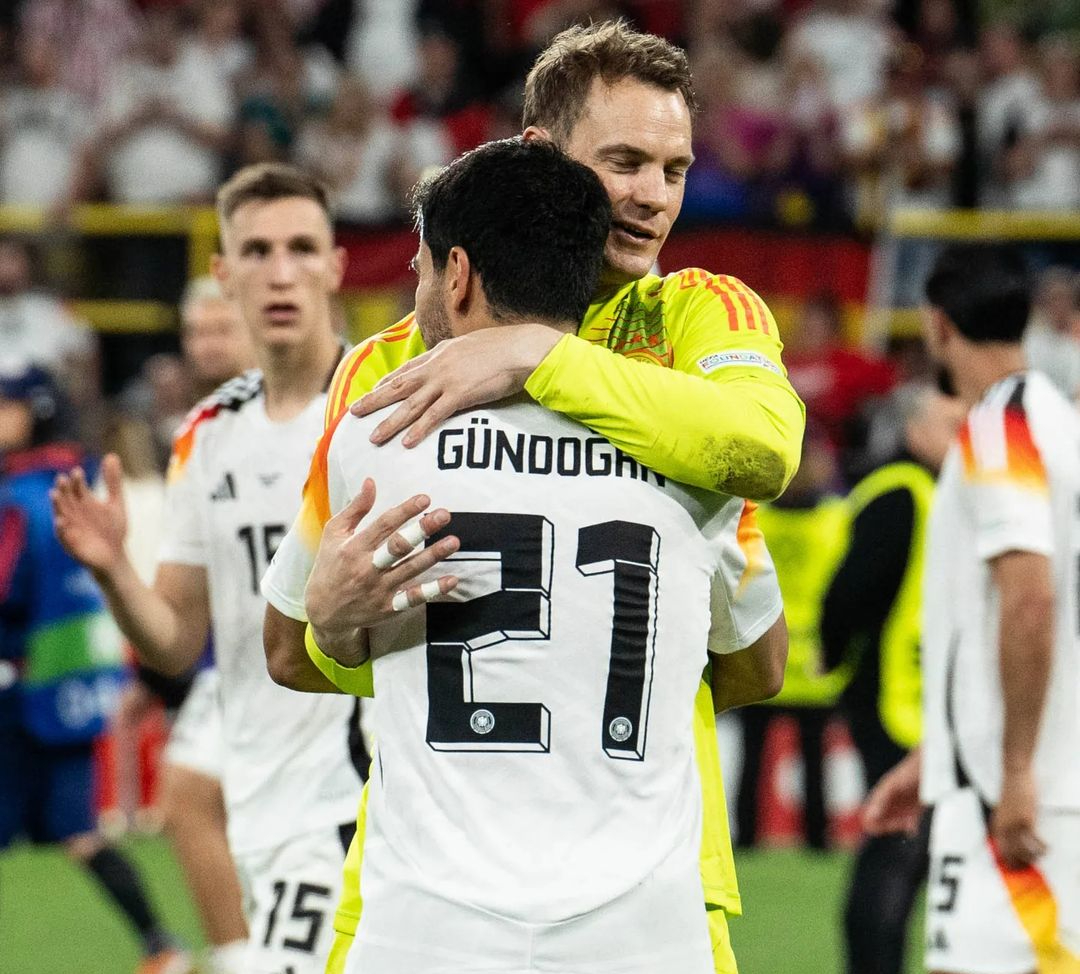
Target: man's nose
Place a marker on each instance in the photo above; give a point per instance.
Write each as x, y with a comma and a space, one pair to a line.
651, 189
282, 269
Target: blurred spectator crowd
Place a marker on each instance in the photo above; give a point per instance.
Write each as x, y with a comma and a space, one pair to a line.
823, 113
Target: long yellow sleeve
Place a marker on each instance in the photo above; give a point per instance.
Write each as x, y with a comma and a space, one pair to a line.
737, 431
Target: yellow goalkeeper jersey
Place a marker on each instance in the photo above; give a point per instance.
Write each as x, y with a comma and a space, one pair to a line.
730, 422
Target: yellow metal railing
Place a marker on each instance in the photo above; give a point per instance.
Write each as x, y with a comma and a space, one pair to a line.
197, 224
883, 318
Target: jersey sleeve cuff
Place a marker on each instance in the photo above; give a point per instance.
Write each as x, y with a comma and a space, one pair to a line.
282, 602
752, 633
356, 680
999, 543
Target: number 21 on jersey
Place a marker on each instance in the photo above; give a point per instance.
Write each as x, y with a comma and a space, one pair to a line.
524, 544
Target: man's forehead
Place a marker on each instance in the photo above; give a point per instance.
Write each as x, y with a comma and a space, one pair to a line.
289, 216
632, 111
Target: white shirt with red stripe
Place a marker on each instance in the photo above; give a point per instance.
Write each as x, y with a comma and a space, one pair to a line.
234, 487
1011, 482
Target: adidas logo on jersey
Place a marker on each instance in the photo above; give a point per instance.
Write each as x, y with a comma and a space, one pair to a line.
226, 490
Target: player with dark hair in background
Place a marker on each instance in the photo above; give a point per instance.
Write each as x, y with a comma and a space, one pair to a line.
1001, 651
61, 661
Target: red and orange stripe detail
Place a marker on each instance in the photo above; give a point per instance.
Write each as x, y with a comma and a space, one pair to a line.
752, 543
1037, 911
1024, 466
185, 439
340, 387
315, 504
744, 308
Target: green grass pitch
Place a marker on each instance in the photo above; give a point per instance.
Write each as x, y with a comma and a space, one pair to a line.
53, 919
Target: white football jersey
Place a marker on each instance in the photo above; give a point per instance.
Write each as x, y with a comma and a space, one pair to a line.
1011, 482
234, 487
535, 751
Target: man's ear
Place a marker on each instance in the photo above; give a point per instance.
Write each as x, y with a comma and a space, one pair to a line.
219, 267
942, 331
534, 133
458, 280
340, 260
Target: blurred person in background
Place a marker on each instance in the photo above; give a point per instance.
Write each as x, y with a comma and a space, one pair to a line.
217, 347
904, 144
806, 532
837, 382
445, 98
1052, 338
1009, 91
851, 40
718, 185
161, 394
37, 328
368, 163
130, 438
215, 342
1043, 165
381, 48
41, 128
871, 625
61, 661
163, 125
218, 40
1001, 652
291, 765
283, 87
93, 34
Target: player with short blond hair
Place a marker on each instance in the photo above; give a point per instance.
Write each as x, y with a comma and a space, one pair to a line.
292, 769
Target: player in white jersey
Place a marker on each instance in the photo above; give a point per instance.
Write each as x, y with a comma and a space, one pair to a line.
534, 796
1001, 659
238, 464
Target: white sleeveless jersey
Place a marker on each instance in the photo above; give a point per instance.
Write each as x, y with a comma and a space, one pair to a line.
234, 487
535, 751
1011, 482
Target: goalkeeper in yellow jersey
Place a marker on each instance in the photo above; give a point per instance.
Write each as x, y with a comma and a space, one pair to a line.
718, 413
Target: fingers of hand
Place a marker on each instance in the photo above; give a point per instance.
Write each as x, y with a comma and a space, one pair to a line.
423, 560
358, 508
408, 412
393, 388
425, 592
404, 542
114, 474
389, 521
398, 545
442, 408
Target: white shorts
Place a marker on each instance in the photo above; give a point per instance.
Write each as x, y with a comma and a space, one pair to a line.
290, 894
986, 919
195, 738
659, 927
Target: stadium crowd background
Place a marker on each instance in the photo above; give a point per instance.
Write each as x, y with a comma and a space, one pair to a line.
825, 125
